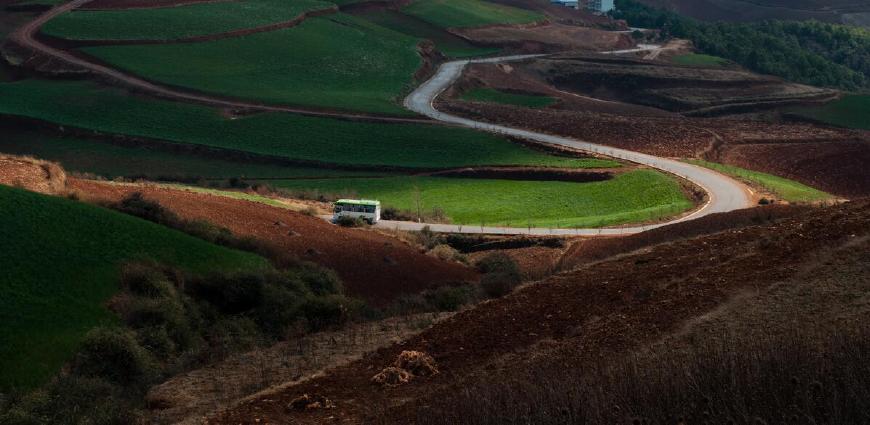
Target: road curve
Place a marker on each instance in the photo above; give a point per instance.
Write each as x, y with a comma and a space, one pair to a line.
724, 193
26, 37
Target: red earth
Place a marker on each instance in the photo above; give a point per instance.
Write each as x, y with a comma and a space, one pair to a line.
375, 267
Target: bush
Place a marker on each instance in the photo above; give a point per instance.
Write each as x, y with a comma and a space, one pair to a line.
115, 355
147, 280
230, 293
321, 312
498, 262
320, 280
450, 298
136, 204
447, 253
72, 399
428, 238
347, 221
496, 285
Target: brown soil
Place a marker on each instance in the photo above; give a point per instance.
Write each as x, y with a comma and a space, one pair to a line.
189, 397
32, 174
372, 266
608, 307
535, 262
564, 14
554, 37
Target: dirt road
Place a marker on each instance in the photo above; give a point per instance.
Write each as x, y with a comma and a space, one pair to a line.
26, 37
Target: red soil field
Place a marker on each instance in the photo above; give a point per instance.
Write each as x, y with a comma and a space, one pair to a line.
599, 310
372, 266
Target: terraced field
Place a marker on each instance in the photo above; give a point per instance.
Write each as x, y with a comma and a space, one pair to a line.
469, 13
293, 137
695, 59
170, 23
45, 311
447, 43
112, 160
629, 197
852, 111
335, 62
495, 96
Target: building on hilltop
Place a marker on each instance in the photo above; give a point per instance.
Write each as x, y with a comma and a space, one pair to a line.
595, 6
573, 4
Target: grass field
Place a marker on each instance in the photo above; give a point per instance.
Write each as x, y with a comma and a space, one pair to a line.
695, 59
449, 44
630, 197
334, 62
469, 13
785, 189
170, 23
852, 111
110, 160
60, 262
87, 105
484, 94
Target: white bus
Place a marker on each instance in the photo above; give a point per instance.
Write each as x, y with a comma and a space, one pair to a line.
370, 211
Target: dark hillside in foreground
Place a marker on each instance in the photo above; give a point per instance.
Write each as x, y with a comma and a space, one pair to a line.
60, 263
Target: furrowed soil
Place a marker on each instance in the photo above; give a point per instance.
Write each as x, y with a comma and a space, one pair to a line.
824, 157
32, 174
546, 38
603, 309
372, 266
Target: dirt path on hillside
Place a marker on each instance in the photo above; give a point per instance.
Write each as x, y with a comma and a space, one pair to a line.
375, 267
26, 38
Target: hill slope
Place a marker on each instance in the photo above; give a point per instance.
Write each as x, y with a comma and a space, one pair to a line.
60, 262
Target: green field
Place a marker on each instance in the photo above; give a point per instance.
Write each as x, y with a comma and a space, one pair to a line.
336, 62
469, 13
170, 23
852, 111
695, 59
785, 189
60, 262
87, 105
110, 160
485, 94
445, 42
628, 198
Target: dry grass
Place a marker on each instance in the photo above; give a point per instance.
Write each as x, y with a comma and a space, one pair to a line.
33, 174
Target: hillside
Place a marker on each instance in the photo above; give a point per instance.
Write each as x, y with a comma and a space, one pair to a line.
61, 262
604, 310
839, 11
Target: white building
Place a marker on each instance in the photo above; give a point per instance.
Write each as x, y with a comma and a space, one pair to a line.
600, 6
573, 4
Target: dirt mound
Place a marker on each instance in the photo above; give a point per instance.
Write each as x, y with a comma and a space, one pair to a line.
307, 402
32, 174
417, 363
604, 308
392, 377
360, 257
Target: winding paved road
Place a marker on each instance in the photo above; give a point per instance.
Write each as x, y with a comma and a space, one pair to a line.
725, 194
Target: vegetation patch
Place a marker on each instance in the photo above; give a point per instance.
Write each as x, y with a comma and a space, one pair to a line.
60, 262
785, 189
814, 53
170, 23
697, 59
484, 94
852, 111
87, 105
336, 62
447, 43
627, 198
469, 13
